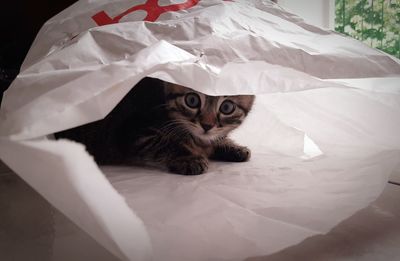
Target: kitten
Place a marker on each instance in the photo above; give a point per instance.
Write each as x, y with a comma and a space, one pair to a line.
169, 126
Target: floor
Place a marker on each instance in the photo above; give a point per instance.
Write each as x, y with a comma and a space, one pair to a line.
31, 229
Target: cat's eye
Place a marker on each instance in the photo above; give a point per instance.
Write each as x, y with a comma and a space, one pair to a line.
192, 100
227, 107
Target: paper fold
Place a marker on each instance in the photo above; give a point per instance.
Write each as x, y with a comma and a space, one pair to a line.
323, 131
64, 174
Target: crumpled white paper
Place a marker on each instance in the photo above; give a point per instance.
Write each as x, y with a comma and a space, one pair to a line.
324, 129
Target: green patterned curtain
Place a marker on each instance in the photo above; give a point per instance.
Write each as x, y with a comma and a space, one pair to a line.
374, 22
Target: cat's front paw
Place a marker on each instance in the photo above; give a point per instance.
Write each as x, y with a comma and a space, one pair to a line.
232, 154
240, 154
193, 165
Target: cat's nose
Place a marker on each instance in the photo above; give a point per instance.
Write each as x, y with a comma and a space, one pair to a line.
206, 126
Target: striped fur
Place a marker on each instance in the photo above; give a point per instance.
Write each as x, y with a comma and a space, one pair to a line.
167, 126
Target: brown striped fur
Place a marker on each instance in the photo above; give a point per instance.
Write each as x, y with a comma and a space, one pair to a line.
168, 126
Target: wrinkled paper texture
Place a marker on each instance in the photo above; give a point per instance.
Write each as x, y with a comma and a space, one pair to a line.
323, 131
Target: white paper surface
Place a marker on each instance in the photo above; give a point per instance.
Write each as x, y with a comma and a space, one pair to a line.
323, 132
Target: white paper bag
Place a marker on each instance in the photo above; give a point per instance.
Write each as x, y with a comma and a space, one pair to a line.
323, 131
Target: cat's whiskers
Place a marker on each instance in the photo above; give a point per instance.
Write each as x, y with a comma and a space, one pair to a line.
173, 129
161, 106
179, 128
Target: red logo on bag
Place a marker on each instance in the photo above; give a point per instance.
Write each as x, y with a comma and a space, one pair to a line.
151, 7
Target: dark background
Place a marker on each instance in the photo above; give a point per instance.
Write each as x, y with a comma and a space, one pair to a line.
20, 21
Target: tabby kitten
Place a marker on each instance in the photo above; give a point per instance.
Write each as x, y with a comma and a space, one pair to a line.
168, 126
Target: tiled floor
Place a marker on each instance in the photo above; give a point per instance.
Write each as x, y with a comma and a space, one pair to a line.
30, 229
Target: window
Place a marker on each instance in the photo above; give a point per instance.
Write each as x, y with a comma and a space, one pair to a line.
374, 22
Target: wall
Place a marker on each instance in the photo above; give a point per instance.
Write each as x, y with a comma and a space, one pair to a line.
316, 12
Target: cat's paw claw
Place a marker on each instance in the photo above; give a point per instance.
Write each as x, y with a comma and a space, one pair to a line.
188, 165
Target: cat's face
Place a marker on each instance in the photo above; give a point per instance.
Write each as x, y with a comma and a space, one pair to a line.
205, 117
